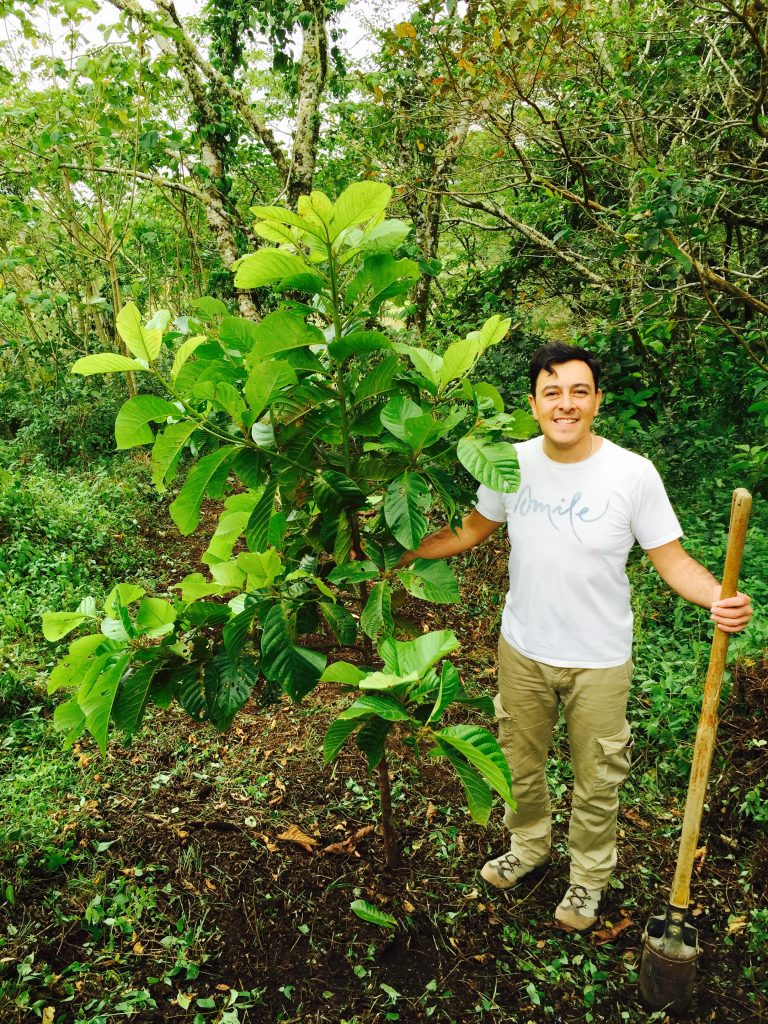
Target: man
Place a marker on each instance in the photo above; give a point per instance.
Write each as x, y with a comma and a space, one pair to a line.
566, 629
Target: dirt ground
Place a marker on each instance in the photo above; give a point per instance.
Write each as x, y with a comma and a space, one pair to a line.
222, 868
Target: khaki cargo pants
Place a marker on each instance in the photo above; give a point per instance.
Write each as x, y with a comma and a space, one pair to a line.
594, 704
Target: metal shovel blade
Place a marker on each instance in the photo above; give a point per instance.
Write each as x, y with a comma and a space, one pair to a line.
668, 962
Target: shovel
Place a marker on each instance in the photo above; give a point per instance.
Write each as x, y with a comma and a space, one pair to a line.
670, 943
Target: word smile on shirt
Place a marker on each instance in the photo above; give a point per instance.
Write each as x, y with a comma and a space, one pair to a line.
570, 511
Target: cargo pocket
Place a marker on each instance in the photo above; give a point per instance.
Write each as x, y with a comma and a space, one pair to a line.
615, 758
498, 707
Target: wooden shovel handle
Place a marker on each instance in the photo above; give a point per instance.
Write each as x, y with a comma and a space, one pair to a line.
707, 730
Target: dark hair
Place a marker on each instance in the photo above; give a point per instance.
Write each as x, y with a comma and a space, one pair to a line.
557, 352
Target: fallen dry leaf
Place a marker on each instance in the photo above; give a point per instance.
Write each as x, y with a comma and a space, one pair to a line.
736, 925
138, 949
48, 1014
209, 885
631, 815
408, 907
348, 846
611, 930
294, 835
431, 811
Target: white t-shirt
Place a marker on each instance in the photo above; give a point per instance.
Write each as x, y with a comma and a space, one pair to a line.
571, 527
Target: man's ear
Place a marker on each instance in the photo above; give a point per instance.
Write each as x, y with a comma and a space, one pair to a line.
598, 400
532, 403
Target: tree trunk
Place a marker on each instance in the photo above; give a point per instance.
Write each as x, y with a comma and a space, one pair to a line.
313, 73
391, 850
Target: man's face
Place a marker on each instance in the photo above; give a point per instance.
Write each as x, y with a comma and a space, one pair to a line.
565, 404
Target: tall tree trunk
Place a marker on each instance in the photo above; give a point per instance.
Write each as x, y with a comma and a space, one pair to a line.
313, 73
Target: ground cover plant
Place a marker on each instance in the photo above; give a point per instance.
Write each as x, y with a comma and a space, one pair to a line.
193, 876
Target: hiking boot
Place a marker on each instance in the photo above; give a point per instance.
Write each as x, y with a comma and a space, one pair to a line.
579, 908
507, 870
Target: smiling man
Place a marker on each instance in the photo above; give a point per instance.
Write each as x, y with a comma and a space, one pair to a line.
566, 630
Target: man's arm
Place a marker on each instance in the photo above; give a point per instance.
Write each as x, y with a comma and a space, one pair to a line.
444, 543
692, 581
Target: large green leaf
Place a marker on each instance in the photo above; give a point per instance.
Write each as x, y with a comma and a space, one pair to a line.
425, 362
279, 332
342, 545
335, 491
120, 596
458, 360
237, 630
143, 341
224, 396
237, 510
382, 237
71, 668
405, 504
378, 380
262, 567
132, 423
491, 333
132, 698
316, 207
376, 704
480, 748
268, 266
372, 740
478, 793
431, 580
184, 351
155, 617
167, 451
265, 382
206, 476
228, 685
358, 344
491, 463
97, 695
376, 618
105, 362
368, 912
187, 685
257, 527
386, 682
57, 624
69, 719
342, 672
237, 333
341, 620
405, 656
281, 216
353, 572
449, 688
361, 201
380, 278
408, 421
297, 669
485, 390
336, 736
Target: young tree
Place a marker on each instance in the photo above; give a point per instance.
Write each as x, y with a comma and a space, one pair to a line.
333, 442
